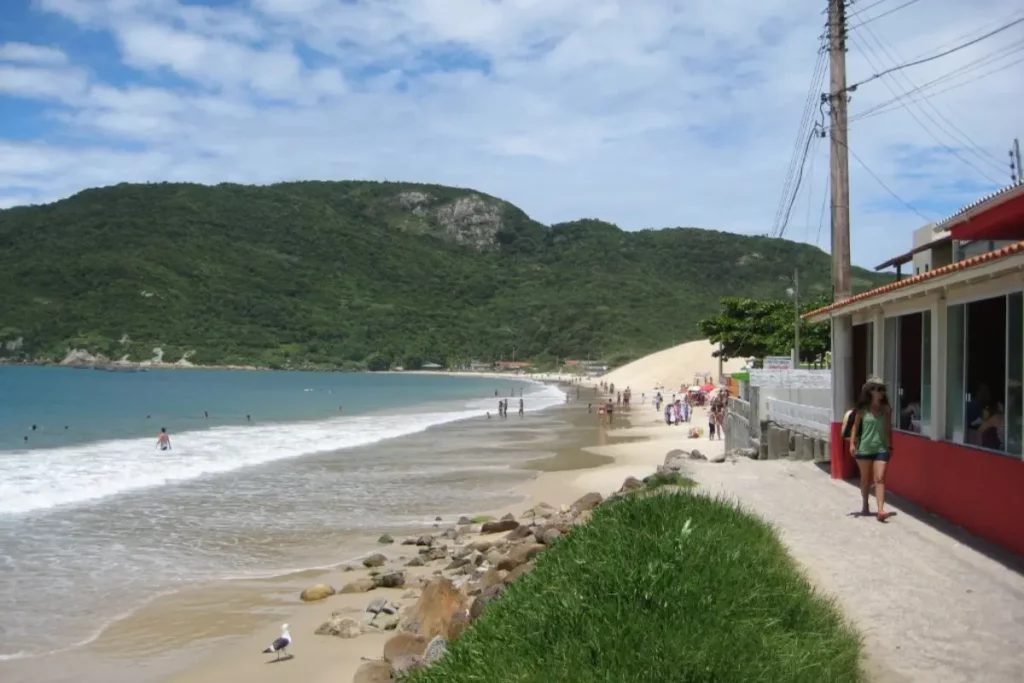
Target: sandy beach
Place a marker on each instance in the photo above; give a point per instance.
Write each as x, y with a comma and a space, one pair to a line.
634, 450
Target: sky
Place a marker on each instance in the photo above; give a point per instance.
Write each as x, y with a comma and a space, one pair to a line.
645, 113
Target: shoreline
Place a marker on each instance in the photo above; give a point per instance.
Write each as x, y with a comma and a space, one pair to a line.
635, 449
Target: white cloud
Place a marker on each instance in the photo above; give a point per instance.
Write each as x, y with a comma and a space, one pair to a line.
31, 54
651, 113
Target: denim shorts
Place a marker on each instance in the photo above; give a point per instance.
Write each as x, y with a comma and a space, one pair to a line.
879, 457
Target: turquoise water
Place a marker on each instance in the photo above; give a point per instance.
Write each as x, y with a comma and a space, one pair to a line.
72, 406
94, 520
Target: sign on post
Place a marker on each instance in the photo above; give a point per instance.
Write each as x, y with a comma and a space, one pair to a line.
778, 363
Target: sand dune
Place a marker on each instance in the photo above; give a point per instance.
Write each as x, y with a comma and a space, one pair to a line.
672, 367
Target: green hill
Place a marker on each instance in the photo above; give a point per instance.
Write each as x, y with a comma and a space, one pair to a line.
341, 273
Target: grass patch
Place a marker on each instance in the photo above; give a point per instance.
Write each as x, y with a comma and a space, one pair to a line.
669, 479
659, 589
481, 519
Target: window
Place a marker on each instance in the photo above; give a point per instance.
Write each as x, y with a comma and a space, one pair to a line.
985, 370
908, 342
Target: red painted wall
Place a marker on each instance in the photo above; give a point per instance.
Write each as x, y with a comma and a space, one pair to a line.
979, 491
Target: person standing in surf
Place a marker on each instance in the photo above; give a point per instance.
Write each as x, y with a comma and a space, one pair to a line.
163, 442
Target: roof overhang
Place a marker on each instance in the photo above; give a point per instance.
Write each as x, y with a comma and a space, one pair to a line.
999, 216
984, 267
909, 256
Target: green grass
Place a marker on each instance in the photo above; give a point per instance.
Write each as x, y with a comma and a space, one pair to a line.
481, 519
658, 480
659, 589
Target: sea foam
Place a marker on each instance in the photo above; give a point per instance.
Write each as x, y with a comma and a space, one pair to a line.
40, 479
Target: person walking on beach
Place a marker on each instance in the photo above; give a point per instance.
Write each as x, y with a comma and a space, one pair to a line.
711, 423
520, 407
871, 443
163, 442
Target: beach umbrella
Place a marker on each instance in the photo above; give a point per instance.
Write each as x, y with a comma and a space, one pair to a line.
694, 388
708, 387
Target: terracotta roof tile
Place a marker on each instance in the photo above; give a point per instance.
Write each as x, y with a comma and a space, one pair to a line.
1008, 250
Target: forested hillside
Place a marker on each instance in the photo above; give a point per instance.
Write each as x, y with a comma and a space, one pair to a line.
350, 273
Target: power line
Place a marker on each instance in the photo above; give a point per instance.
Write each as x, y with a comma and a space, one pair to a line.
865, 9
884, 107
950, 51
796, 159
884, 186
883, 14
921, 123
800, 175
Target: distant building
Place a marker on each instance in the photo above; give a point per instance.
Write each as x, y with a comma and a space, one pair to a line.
506, 365
431, 366
480, 366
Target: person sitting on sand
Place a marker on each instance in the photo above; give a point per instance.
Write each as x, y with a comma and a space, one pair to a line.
163, 442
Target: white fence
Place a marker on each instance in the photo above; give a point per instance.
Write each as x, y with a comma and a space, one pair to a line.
813, 419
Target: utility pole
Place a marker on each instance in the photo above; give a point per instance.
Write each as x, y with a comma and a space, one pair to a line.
842, 333
796, 321
1015, 169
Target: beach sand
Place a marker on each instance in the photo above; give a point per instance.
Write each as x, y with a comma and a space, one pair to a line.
634, 450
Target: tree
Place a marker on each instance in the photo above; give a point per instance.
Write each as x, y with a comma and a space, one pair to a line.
751, 328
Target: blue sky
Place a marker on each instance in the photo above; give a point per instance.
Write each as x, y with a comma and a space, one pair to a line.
647, 113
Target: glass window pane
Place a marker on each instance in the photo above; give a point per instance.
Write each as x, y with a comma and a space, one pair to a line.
1014, 370
955, 398
926, 368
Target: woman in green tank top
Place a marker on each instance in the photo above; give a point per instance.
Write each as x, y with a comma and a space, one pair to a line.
871, 443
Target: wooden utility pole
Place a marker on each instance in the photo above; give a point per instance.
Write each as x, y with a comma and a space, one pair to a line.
842, 333
796, 321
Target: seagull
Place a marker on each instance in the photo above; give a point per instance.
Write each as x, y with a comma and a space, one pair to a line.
281, 644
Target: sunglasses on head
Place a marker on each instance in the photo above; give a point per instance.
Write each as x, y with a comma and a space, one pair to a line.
878, 389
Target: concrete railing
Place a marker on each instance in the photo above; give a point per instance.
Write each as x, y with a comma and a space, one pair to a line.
809, 418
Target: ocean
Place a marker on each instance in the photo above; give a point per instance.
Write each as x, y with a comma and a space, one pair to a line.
268, 473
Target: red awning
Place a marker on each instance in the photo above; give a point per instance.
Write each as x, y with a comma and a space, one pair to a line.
1001, 220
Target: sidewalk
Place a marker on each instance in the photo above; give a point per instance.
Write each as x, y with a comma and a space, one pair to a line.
931, 609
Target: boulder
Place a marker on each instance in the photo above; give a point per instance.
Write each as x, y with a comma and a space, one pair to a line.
631, 484
385, 538
377, 606
543, 510
415, 562
482, 600
451, 533
435, 554
518, 533
433, 613
697, 455
318, 592
587, 502
384, 621
464, 521
390, 580
549, 535
373, 672
425, 540
405, 665
493, 557
519, 555
459, 623
509, 517
340, 626
359, 586
481, 546
718, 457
375, 560
519, 571
492, 577
499, 526
436, 649
458, 563
409, 541
404, 645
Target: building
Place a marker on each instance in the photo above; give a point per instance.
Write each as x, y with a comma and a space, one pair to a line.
509, 365
431, 366
949, 342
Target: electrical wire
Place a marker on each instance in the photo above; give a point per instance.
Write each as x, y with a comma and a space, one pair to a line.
882, 183
900, 67
796, 158
800, 175
883, 14
971, 145
921, 123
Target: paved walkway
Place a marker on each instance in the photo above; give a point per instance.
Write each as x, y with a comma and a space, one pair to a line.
931, 609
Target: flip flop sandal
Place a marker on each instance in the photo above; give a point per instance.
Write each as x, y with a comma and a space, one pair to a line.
882, 516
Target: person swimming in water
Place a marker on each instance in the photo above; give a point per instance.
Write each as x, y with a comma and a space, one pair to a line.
163, 442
